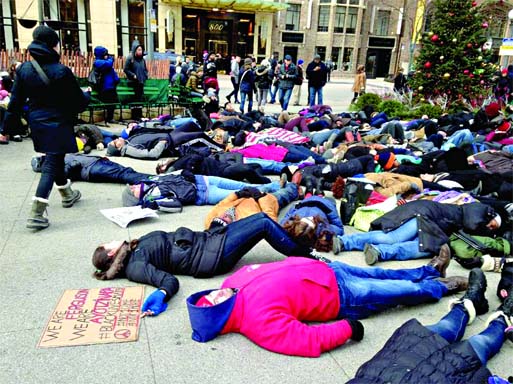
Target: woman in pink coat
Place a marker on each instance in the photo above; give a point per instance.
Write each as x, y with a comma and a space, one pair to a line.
271, 303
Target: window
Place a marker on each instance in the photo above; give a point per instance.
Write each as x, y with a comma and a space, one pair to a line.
325, 1
8, 26
350, 2
75, 34
352, 17
321, 51
340, 18
292, 17
335, 55
347, 59
324, 16
383, 23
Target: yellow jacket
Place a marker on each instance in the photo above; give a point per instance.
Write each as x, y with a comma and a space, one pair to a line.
245, 207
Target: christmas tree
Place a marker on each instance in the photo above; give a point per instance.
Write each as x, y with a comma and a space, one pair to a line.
453, 63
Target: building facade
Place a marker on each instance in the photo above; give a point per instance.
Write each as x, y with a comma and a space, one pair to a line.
381, 34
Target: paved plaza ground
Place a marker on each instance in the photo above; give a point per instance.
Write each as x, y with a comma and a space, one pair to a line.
36, 267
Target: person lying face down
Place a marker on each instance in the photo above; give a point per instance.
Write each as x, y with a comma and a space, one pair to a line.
272, 303
156, 257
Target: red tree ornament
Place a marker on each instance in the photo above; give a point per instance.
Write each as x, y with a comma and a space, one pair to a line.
434, 38
427, 65
466, 71
484, 25
469, 45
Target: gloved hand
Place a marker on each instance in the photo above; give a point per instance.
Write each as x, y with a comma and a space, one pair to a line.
154, 304
249, 192
357, 328
100, 147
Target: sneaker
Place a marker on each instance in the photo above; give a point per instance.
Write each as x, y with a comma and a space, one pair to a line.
338, 245
283, 180
442, 260
371, 254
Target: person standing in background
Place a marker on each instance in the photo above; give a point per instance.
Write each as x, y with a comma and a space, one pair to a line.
296, 91
317, 73
136, 73
264, 79
360, 82
234, 78
287, 75
104, 64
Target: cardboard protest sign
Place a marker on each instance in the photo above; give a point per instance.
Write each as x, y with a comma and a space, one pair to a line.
94, 316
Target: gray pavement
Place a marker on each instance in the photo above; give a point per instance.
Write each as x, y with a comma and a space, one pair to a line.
37, 266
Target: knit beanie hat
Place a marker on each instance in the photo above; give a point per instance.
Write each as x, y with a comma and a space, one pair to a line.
113, 151
46, 35
247, 61
386, 160
492, 110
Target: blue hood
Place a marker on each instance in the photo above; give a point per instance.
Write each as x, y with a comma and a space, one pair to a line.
208, 322
99, 52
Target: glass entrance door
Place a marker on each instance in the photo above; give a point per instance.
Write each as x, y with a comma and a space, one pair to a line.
190, 47
218, 46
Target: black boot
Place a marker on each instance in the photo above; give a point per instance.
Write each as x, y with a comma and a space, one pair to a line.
476, 291
319, 190
309, 184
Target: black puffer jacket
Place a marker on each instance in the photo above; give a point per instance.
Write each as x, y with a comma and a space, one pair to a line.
135, 67
159, 255
53, 109
437, 221
414, 354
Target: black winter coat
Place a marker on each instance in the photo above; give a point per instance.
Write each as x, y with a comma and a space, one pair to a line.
159, 255
53, 109
135, 67
316, 79
436, 221
414, 354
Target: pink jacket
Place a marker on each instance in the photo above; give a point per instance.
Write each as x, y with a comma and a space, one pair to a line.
262, 151
274, 300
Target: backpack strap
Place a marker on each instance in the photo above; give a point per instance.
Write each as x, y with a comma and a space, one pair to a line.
40, 72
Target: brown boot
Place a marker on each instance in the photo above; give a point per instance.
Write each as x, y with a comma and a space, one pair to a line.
454, 283
441, 262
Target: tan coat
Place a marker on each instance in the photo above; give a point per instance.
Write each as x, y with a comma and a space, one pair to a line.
360, 81
245, 207
390, 184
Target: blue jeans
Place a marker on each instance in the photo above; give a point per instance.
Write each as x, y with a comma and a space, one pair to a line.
319, 138
297, 153
52, 171
365, 291
486, 344
400, 244
286, 195
285, 98
243, 96
242, 235
269, 167
107, 136
458, 138
105, 171
312, 91
212, 189
273, 91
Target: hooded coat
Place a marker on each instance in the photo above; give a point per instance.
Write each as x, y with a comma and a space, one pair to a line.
317, 206
110, 78
436, 221
159, 255
434, 360
264, 77
136, 66
53, 108
271, 306
246, 79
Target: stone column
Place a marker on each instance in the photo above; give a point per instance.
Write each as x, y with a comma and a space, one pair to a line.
103, 24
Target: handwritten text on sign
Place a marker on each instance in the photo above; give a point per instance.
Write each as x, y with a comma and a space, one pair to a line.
94, 316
